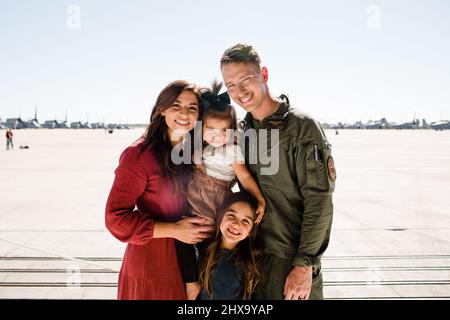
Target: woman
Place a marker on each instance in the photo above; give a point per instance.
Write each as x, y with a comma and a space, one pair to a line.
147, 179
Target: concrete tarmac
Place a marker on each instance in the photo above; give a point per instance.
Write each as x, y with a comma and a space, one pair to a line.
390, 236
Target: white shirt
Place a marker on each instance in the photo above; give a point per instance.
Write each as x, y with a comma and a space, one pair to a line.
217, 162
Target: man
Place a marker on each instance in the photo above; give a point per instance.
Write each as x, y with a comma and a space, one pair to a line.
297, 223
9, 139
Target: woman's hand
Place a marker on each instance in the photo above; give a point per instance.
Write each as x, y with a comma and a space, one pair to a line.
260, 211
193, 230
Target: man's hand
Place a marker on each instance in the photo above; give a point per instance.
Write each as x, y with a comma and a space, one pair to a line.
260, 211
298, 284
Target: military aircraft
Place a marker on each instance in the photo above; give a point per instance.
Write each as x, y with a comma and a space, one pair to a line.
50, 124
86, 125
356, 125
440, 125
425, 125
63, 125
34, 123
383, 123
55, 124
76, 125
379, 124
15, 123
98, 125
407, 125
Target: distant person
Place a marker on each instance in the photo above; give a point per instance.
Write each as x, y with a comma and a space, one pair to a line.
148, 200
222, 164
297, 223
229, 265
9, 139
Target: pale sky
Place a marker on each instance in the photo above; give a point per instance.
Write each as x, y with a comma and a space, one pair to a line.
337, 60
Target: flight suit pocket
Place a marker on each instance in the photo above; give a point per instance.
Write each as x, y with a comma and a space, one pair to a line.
316, 170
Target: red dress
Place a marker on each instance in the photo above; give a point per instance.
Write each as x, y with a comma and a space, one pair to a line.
150, 268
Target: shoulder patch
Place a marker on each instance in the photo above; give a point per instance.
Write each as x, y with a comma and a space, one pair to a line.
331, 168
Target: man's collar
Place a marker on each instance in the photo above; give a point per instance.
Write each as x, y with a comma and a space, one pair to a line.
276, 120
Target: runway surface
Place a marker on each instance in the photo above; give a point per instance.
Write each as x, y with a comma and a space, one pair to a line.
390, 237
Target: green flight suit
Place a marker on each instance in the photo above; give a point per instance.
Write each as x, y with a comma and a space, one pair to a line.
299, 210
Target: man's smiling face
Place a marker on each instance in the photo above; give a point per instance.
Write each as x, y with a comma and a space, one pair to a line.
245, 84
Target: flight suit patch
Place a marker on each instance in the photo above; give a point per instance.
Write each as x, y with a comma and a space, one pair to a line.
331, 168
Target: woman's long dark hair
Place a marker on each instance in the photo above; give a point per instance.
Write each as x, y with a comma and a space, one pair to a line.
156, 135
247, 251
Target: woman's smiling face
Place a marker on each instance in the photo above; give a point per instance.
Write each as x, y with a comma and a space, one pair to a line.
236, 224
181, 116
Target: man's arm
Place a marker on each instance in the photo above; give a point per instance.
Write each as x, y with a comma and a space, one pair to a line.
313, 165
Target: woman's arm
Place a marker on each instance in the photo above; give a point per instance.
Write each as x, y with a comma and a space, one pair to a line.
249, 184
133, 226
121, 218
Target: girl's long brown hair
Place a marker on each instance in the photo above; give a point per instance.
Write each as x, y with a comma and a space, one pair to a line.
247, 252
156, 135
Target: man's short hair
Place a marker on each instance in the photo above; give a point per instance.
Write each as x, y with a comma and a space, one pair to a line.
241, 53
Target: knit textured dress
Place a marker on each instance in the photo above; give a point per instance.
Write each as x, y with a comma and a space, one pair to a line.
139, 197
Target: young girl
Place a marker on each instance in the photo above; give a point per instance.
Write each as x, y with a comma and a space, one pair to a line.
222, 163
229, 269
